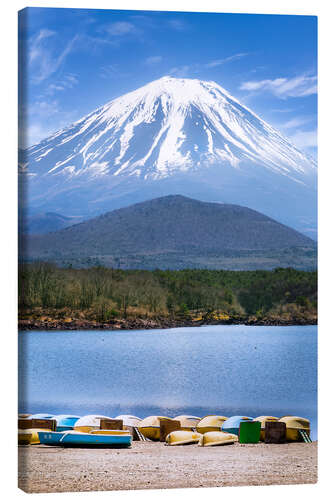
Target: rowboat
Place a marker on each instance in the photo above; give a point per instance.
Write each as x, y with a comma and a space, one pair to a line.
182, 437
28, 436
53, 438
210, 423
217, 438
85, 440
187, 422
263, 419
294, 427
89, 422
232, 424
150, 427
66, 422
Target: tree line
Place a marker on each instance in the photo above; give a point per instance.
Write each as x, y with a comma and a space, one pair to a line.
107, 293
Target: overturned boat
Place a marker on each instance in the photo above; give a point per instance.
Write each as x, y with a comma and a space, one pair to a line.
89, 422
297, 428
217, 438
150, 427
187, 422
181, 437
66, 422
28, 436
211, 423
232, 424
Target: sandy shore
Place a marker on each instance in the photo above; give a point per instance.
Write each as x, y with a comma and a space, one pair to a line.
148, 465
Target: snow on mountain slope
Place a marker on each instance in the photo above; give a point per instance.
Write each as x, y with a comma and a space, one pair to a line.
167, 128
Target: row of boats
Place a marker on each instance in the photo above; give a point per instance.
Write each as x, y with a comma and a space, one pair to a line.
211, 430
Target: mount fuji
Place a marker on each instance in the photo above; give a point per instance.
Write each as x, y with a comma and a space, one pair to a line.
172, 136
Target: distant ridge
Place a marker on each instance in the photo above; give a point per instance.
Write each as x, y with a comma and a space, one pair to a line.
177, 232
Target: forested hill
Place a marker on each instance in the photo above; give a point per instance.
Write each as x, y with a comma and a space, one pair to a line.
177, 232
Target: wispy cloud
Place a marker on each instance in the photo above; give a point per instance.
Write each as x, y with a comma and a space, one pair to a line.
305, 140
67, 82
219, 62
121, 28
44, 59
153, 60
298, 86
180, 71
296, 122
284, 110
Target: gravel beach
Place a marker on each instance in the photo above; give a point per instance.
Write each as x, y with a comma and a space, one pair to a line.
149, 465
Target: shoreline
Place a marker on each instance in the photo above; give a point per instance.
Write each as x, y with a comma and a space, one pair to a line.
152, 465
153, 324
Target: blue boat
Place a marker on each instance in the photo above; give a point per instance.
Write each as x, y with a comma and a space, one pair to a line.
66, 422
232, 424
49, 437
85, 440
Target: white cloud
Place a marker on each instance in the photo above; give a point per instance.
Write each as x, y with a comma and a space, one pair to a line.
180, 71
219, 62
305, 139
298, 86
296, 122
68, 82
120, 28
44, 60
153, 60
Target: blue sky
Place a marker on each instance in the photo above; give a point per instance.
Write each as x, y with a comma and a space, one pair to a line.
75, 60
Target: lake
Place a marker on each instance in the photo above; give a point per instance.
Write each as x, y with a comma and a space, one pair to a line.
225, 369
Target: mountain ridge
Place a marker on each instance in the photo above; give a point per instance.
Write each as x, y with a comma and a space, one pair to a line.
173, 232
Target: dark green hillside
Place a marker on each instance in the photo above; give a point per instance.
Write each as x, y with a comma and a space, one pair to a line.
177, 232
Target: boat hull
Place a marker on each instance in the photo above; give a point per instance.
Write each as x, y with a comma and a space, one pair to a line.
84, 440
294, 425
210, 423
232, 424
28, 436
182, 437
218, 438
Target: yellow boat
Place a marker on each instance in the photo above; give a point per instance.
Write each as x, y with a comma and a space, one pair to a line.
29, 436
263, 419
89, 423
187, 422
182, 437
150, 426
211, 423
217, 438
294, 425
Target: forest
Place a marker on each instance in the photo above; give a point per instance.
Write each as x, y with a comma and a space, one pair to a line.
51, 295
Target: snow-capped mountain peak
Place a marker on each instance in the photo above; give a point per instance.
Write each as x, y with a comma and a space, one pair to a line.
167, 126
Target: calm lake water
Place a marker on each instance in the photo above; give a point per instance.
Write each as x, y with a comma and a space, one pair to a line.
227, 370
